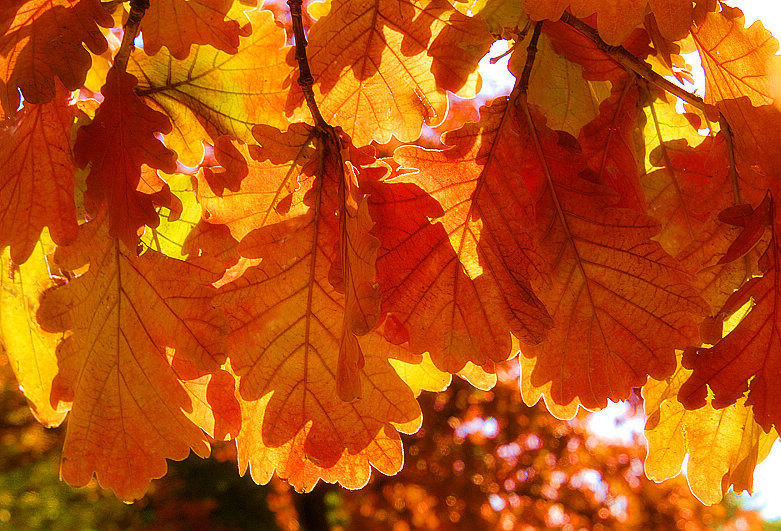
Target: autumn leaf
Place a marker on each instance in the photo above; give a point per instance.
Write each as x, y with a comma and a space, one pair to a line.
139, 361
498, 14
746, 359
579, 49
458, 283
736, 60
212, 93
119, 141
44, 40
179, 24
620, 305
609, 144
723, 445
315, 381
382, 68
617, 18
30, 349
557, 86
36, 184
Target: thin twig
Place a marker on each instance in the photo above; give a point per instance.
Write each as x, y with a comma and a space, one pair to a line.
305, 79
137, 10
531, 53
630, 62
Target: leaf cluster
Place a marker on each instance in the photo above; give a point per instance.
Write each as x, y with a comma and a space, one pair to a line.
279, 225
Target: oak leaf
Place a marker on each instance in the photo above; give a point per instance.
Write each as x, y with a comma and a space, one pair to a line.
44, 40
558, 87
749, 357
117, 143
723, 445
30, 350
381, 68
139, 364
211, 93
36, 183
620, 305
736, 61
179, 24
315, 382
617, 18
456, 256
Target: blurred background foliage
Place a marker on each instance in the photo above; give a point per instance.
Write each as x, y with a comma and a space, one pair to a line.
482, 460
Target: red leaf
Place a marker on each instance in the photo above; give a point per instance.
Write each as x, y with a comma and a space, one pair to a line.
118, 142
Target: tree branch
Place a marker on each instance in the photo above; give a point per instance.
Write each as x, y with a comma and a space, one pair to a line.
630, 62
305, 79
137, 10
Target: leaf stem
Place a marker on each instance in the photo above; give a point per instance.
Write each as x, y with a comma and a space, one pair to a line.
137, 10
630, 62
305, 79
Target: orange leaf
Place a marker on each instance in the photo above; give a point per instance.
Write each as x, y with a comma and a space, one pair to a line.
118, 142
212, 93
617, 18
608, 144
736, 62
459, 285
178, 24
36, 184
382, 67
44, 40
142, 349
749, 357
620, 305
315, 381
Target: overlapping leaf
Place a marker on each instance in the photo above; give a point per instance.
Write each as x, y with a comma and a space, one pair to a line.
381, 68
736, 60
140, 362
723, 445
620, 305
36, 181
617, 18
459, 285
119, 141
319, 396
211, 93
749, 357
30, 349
558, 88
43, 40
179, 24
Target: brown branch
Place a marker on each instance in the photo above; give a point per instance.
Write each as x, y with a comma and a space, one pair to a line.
630, 62
305, 79
531, 53
137, 10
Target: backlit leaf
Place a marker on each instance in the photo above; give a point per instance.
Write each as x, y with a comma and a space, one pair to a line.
212, 93
142, 345
44, 40
736, 60
178, 24
749, 357
119, 141
617, 18
458, 284
723, 445
30, 349
620, 305
382, 67
315, 381
36, 181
